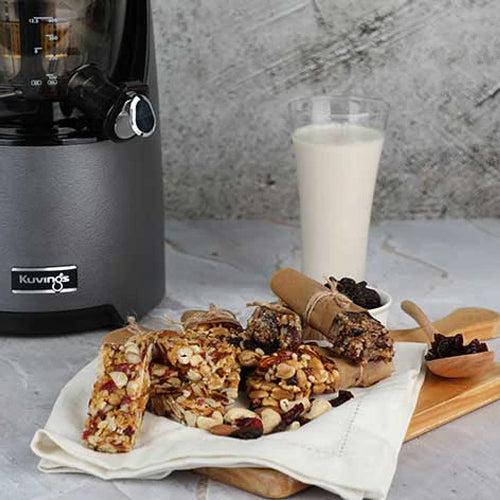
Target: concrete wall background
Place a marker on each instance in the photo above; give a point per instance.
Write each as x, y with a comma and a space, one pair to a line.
227, 69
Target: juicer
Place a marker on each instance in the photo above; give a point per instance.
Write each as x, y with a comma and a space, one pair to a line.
81, 210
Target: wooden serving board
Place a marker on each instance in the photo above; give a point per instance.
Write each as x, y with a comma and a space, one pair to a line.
440, 401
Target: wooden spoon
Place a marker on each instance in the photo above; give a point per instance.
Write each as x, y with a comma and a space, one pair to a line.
471, 322
467, 365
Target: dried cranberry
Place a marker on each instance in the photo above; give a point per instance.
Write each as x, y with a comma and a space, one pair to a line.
86, 433
342, 398
248, 428
123, 367
108, 386
129, 431
290, 416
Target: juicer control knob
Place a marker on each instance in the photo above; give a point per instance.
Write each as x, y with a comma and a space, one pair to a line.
136, 118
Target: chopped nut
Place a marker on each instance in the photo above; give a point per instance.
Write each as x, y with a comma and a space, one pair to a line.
285, 371
194, 376
319, 388
174, 382
119, 378
158, 370
258, 394
269, 402
221, 430
206, 422
131, 347
218, 417
301, 378
132, 358
318, 407
294, 426
286, 405
114, 399
134, 388
215, 382
234, 414
190, 418
248, 358
184, 355
196, 359
270, 419
279, 394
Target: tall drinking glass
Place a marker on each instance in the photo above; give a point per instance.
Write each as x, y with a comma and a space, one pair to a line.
337, 143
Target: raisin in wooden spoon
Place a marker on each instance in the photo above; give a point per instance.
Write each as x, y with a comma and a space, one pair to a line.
461, 366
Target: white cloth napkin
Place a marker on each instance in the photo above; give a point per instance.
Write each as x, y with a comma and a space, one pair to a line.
351, 451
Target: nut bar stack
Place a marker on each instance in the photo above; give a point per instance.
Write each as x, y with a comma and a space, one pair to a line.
120, 393
207, 375
354, 334
286, 376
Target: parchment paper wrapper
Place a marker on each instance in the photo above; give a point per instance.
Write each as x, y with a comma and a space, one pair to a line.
357, 375
296, 290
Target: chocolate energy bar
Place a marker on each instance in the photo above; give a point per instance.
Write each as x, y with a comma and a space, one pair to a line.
273, 327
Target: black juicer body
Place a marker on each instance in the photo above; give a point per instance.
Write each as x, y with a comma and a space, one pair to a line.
81, 224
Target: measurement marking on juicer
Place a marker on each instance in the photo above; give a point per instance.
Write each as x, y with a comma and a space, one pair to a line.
36, 50
48, 19
51, 79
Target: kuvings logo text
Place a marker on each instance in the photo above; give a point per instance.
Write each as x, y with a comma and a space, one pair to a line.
56, 282
58, 279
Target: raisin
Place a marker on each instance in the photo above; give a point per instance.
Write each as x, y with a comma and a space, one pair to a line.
446, 347
359, 293
342, 398
234, 341
248, 428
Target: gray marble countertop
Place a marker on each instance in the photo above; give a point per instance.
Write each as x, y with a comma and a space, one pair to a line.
441, 265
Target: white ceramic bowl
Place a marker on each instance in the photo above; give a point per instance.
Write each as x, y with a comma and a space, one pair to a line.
381, 313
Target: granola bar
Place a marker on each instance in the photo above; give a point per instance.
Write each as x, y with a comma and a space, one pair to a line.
360, 338
354, 333
189, 408
287, 376
164, 379
119, 396
217, 323
206, 372
273, 327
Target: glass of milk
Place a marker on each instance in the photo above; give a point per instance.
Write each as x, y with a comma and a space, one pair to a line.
337, 143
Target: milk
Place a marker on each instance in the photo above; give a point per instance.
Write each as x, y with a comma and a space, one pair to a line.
337, 169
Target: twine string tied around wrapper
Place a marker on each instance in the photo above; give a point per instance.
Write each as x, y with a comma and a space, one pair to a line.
331, 294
